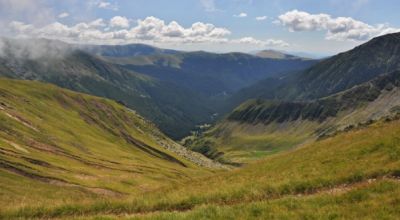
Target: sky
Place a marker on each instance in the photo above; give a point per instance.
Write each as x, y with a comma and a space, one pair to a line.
323, 27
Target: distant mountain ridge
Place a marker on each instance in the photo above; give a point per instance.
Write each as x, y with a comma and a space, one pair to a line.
173, 108
211, 74
125, 50
274, 54
259, 111
345, 91
273, 125
337, 73
175, 90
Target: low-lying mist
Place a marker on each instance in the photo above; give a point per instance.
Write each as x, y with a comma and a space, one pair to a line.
33, 49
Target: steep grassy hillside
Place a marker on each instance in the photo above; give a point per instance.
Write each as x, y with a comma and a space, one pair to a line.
261, 127
175, 90
352, 175
337, 73
175, 109
58, 146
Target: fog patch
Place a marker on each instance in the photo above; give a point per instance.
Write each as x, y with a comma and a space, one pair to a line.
33, 49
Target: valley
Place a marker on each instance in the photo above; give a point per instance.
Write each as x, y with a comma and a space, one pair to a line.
70, 146
113, 128
174, 97
329, 174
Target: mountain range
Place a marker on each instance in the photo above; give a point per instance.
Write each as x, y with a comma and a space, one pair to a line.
338, 93
175, 97
90, 132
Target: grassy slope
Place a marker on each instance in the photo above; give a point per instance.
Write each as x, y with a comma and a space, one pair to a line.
174, 109
375, 201
57, 146
267, 188
261, 127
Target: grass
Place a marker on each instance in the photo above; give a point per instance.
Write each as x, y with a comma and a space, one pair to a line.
349, 158
377, 201
238, 142
60, 147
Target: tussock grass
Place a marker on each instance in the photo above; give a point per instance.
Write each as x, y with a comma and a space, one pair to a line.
357, 156
60, 147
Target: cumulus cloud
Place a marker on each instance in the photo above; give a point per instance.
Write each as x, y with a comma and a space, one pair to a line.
262, 43
152, 28
241, 15
339, 28
97, 23
148, 30
261, 18
63, 15
104, 5
118, 21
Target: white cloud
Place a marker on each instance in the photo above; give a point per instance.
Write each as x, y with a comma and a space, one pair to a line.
150, 30
261, 18
105, 5
153, 28
241, 15
339, 28
97, 23
63, 15
262, 43
208, 5
303, 21
118, 21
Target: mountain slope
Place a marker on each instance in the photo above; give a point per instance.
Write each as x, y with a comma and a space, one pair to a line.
124, 50
353, 175
259, 127
59, 146
274, 54
211, 74
337, 73
175, 109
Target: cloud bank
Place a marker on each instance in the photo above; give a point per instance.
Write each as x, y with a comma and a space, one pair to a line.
149, 30
339, 28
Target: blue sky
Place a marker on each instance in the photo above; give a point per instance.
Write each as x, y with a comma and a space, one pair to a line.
314, 26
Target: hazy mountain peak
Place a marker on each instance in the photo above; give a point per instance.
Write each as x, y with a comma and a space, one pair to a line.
274, 54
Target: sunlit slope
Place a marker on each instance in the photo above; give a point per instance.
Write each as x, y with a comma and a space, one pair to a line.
332, 75
343, 174
260, 127
175, 110
59, 146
